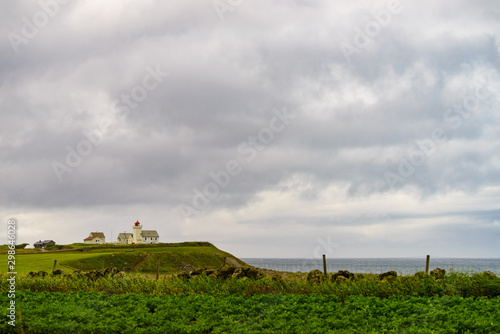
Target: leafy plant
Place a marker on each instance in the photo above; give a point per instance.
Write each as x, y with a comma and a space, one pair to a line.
94, 312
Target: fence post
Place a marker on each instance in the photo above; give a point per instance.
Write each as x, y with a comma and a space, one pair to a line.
427, 264
102, 263
324, 264
55, 262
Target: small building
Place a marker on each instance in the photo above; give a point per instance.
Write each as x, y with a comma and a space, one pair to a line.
95, 238
150, 237
139, 236
125, 238
44, 243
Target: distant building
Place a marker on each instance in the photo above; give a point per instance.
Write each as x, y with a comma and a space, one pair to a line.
125, 238
95, 238
138, 236
44, 243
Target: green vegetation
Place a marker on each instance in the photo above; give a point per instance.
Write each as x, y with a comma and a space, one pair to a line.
226, 301
91, 312
174, 257
453, 284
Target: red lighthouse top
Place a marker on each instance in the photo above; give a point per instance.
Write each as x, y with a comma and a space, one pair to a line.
137, 223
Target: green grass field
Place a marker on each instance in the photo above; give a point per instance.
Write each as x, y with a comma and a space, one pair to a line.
173, 257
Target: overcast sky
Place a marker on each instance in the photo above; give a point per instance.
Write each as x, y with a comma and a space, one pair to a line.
269, 128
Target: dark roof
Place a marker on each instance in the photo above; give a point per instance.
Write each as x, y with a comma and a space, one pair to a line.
97, 234
149, 233
44, 242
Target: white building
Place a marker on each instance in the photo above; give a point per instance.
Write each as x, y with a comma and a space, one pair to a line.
138, 236
95, 238
125, 238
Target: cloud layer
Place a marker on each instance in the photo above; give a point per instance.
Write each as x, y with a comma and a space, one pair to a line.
260, 126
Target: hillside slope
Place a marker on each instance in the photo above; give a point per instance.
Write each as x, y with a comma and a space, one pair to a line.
173, 257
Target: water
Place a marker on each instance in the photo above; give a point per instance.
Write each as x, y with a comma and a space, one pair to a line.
405, 266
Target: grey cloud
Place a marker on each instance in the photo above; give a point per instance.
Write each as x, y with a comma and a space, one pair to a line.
353, 121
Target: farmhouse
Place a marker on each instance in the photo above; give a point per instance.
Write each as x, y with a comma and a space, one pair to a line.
95, 238
139, 236
43, 244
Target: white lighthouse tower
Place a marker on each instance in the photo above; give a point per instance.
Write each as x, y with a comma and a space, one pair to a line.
137, 233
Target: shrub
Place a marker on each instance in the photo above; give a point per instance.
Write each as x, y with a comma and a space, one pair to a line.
438, 273
342, 275
315, 276
226, 271
420, 274
389, 275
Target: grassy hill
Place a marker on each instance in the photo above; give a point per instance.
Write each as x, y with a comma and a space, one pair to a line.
143, 258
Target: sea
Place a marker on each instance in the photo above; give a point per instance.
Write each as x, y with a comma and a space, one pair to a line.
404, 266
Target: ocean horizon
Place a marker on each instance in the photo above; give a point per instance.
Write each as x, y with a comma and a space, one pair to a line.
405, 266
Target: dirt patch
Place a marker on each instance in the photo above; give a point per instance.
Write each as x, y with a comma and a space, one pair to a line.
231, 261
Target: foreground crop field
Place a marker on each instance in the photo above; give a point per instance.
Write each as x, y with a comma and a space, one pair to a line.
93, 312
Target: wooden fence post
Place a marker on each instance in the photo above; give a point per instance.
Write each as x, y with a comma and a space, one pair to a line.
324, 264
55, 262
427, 264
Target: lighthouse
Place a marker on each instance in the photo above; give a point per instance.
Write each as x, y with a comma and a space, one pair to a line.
137, 233
139, 236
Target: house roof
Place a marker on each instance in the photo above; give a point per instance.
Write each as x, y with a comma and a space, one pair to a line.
40, 242
124, 235
149, 233
97, 234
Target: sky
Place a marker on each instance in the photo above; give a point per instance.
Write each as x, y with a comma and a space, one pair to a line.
272, 129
